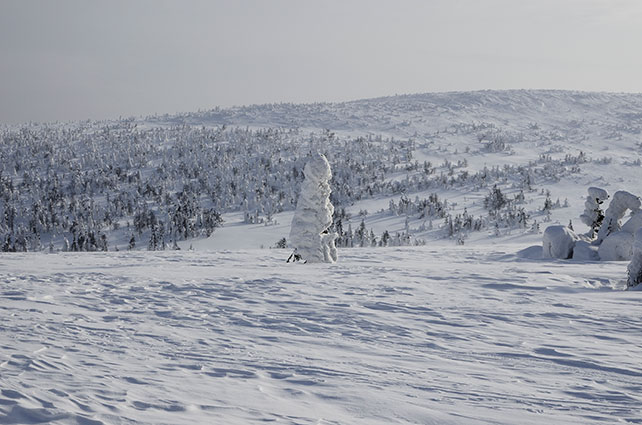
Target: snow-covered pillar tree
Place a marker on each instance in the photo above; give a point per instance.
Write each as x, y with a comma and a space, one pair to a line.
635, 266
593, 215
309, 234
622, 202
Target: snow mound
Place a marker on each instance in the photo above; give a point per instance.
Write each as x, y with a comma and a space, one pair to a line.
558, 242
585, 251
530, 253
616, 247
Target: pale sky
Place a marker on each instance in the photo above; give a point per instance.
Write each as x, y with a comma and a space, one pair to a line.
73, 60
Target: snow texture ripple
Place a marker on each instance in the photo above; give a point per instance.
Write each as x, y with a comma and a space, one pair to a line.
396, 336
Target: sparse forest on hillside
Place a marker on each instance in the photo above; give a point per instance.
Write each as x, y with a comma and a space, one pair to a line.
150, 183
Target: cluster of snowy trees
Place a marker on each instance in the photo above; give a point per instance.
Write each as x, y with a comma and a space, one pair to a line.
97, 185
104, 184
151, 187
364, 237
610, 237
503, 212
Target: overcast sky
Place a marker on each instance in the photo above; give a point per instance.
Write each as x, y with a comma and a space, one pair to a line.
72, 60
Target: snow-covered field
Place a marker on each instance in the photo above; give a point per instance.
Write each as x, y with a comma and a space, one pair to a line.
423, 335
227, 333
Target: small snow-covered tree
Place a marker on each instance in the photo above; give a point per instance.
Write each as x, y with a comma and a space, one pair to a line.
309, 235
495, 199
593, 214
548, 203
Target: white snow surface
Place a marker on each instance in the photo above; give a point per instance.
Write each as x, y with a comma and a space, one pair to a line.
424, 335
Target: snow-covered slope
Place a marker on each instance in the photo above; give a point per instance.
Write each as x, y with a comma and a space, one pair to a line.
415, 335
414, 114
149, 183
566, 141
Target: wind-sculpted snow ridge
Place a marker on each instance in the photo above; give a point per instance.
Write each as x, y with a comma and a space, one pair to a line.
397, 336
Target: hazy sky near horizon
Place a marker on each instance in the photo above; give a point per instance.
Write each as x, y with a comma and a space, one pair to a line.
79, 59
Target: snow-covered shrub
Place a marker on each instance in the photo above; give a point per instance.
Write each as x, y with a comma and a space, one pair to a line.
499, 140
616, 247
281, 244
593, 214
495, 199
622, 202
313, 216
558, 242
635, 266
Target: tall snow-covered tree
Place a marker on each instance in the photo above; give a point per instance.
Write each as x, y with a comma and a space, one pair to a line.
309, 235
593, 214
622, 202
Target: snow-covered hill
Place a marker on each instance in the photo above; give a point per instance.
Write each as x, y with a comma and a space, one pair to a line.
164, 181
412, 335
417, 114
566, 141
443, 312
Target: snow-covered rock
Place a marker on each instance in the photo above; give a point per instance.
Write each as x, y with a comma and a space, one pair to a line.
635, 266
313, 216
585, 251
622, 202
558, 242
616, 247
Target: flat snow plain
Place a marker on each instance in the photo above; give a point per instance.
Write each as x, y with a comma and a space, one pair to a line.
427, 335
